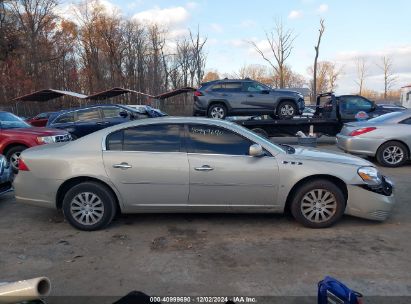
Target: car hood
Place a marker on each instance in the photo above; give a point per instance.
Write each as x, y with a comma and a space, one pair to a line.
36, 131
329, 156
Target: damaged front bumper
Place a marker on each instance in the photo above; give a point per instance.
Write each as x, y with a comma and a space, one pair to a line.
374, 203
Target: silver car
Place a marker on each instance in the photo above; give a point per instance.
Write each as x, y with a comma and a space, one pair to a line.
387, 137
197, 165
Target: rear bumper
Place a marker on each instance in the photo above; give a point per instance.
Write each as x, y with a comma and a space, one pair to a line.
198, 109
358, 145
368, 204
34, 191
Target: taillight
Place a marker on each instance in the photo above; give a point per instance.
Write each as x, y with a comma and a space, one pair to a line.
198, 93
361, 131
23, 166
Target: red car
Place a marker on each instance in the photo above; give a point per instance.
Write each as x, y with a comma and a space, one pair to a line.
39, 120
17, 135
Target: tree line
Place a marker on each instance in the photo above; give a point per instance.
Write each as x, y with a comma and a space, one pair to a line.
93, 51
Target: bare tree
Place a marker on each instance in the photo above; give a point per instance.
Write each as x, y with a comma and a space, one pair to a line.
281, 42
317, 52
389, 78
198, 57
326, 78
361, 73
34, 17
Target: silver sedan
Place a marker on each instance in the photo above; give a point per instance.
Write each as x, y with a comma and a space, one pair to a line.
197, 165
387, 137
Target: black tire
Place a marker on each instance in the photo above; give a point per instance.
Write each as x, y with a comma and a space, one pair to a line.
104, 215
11, 156
383, 154
261, 132
310, 190
217, 109
286, 110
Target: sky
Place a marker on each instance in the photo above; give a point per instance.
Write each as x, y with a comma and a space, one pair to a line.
353, 28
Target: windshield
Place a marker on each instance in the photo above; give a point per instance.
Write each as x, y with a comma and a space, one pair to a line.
386, 117
11, 121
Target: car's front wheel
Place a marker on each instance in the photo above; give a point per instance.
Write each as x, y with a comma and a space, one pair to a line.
217, 110
286, 110
89, 206
318, 204
392, 154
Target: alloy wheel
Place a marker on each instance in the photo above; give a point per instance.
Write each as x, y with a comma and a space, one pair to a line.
287, 110
87, 208
217, 112
318, 205
393, 155
14, 160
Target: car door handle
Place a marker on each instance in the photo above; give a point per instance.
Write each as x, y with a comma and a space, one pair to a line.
204, 168
250, 95
103, 122
123, 166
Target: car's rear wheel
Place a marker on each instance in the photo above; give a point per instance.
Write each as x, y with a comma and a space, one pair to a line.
286, 110
392, 154
89, 206
318, 204
217, 110
13, 156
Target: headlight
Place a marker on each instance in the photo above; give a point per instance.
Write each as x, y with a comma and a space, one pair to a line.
370, 176
46, 139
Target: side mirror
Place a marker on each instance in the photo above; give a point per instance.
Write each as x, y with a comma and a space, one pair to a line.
256, 150
123, 114
265, 92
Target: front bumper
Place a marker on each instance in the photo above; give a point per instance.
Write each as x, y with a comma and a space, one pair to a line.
358, 145
366, 203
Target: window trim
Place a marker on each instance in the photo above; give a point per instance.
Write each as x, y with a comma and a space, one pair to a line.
403, 122
183, 148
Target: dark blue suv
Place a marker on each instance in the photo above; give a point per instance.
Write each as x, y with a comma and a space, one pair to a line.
83, 121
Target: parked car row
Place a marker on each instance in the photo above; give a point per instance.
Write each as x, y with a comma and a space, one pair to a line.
83, 121
16, 135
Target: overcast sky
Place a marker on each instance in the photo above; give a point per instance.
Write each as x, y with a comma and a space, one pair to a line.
353, 28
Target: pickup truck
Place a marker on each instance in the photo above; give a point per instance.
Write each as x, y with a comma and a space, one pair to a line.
331, 112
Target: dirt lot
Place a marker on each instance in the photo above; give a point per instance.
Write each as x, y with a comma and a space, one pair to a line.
209, 254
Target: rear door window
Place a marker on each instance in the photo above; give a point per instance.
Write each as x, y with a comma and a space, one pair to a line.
65, 118
228, 87
149, 138
88, 115
112, 112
